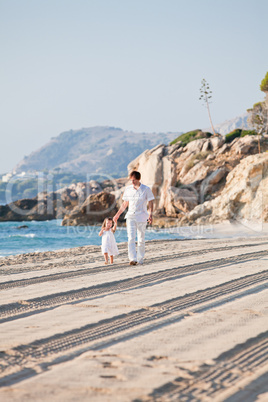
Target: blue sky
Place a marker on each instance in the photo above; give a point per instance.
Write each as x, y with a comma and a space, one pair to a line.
134, 64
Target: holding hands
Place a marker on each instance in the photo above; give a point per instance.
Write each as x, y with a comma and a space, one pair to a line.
115, 218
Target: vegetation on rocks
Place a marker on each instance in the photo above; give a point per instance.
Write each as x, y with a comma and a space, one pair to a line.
258, 114
264, 83
191, 136
238, 133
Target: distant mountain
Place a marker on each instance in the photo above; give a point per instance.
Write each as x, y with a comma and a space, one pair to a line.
103, 150
229, 125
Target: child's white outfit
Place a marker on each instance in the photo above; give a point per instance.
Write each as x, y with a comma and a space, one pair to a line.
108, 243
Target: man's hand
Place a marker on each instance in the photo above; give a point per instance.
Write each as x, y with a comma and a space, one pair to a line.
121, 209
150, 219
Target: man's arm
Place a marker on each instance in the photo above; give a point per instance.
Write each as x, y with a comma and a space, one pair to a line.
119, 212
151, 208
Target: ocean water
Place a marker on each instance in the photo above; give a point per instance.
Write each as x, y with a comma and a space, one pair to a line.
50, 235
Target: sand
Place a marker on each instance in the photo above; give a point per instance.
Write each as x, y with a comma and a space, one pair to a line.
189, 324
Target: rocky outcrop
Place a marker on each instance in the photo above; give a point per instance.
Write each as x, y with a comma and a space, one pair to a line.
49, 205
25, 210
95, 209
158, 170
244, 197
182, 178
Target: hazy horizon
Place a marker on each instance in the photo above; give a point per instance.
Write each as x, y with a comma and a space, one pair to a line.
130, 64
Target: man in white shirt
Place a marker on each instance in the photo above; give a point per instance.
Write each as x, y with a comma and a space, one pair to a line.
136, 197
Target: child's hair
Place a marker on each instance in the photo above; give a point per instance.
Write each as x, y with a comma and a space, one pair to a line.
107, 219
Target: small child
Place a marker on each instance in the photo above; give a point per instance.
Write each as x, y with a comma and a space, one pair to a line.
108, 246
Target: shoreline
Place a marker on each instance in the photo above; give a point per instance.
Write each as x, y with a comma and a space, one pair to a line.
224, 230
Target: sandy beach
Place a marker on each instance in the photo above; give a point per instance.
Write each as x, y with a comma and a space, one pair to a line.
189, 324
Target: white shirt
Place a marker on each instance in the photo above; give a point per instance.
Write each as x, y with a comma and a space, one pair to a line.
137, 207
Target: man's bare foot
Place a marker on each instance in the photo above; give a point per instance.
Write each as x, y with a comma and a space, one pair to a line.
106, 263
133, 263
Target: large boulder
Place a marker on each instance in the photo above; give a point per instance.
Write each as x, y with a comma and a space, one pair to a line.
94, 209
217, 142
198, 172
182, 199
196, 146
158, 171
245, 145
49, 205
244, 197
26, 210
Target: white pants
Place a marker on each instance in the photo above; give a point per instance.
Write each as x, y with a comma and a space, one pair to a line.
134, 227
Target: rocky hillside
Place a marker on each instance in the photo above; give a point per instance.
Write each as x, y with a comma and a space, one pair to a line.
103, 150
206, 180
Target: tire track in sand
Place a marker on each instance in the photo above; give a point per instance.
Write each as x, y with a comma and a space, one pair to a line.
209, 382
39, 304
18, 363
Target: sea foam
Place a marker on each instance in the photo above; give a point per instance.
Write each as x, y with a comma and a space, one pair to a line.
29, 235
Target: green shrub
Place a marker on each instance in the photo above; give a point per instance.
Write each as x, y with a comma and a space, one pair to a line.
264, 83
238, 133
248, 132
190, 136
232, 135
258, 105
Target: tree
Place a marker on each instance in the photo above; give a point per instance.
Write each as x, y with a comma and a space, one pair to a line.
264, 88
205, 96
264, 83
258, 114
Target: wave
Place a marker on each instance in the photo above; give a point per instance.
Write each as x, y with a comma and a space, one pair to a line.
29, 235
